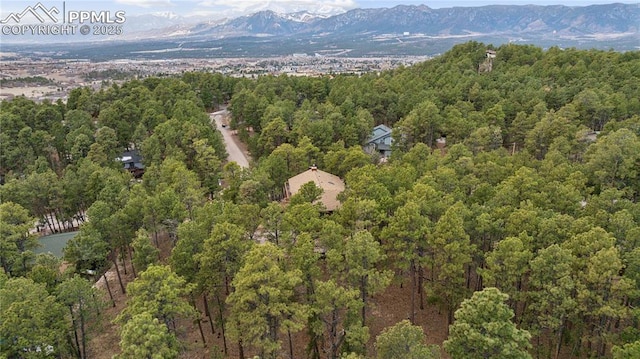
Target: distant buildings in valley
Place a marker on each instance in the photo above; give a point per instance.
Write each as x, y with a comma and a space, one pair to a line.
65, 75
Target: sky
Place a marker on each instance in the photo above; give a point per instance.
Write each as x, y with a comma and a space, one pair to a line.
247, 5
217, 9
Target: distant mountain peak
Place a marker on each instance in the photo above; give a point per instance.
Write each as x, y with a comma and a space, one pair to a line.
317, 8
304, 16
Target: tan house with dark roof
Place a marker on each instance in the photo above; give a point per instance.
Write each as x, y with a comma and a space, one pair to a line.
331, 185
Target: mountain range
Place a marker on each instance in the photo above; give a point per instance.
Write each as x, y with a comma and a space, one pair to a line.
563, 20
401, 30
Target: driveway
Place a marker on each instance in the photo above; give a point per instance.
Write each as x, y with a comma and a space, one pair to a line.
235, 153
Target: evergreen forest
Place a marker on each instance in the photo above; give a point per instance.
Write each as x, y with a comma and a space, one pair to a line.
508, 209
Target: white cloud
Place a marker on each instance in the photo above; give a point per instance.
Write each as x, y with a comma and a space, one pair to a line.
203, 13
294, 3
146, 3
248, 6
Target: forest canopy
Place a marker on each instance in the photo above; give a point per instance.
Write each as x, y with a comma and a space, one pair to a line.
530, 209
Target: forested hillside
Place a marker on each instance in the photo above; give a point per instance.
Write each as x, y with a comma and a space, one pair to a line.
523, 230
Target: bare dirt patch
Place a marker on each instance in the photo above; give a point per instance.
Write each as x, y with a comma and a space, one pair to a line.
384, 310
104, 337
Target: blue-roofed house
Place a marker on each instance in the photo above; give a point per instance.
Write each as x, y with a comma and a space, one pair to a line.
132, 162
379, 141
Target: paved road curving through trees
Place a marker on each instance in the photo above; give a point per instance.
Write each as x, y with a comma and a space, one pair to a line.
235, 153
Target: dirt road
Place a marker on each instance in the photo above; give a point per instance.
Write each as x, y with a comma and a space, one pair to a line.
235, 153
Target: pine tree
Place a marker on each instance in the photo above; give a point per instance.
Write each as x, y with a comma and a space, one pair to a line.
483, 329
262, 304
